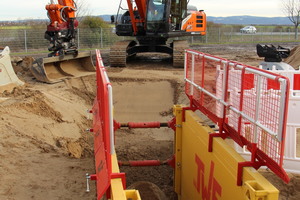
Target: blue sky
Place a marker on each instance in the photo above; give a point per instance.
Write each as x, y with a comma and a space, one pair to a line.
32, 9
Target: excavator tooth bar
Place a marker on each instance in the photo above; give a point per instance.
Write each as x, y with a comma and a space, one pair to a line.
56, 69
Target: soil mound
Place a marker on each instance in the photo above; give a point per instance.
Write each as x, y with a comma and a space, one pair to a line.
294, 57
45, 151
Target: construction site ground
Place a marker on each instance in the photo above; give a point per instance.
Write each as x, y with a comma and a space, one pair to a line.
45, 151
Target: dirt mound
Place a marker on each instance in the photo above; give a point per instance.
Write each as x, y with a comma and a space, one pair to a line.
287, 191
80, 148
37, 104
50, 114
46, 152
22, 67
42, 132
294, 57
148, 191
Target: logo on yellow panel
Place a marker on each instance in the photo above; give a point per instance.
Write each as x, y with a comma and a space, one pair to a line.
213, 189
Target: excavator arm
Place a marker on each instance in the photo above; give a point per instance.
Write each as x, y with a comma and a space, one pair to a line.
62, 28
64, 61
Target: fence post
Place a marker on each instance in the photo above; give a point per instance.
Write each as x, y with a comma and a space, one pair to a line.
25, 40
272, 34
219, 35
101, 36
242, 34
231, 32
78, 40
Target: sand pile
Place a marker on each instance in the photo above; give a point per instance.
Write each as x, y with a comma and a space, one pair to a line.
42, 132
294, 57
45, 151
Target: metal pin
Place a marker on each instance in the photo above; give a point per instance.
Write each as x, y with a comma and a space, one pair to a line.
88, 113
89, 130
87, 176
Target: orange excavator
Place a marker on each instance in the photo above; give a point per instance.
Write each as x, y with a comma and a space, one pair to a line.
64, 61
156, 26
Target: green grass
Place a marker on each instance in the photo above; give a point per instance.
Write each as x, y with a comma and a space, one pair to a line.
15, 27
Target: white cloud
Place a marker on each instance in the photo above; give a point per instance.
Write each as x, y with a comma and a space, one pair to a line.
20, 9
266, 8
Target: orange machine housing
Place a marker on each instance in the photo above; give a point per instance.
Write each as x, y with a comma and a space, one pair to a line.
195, 22
61, 14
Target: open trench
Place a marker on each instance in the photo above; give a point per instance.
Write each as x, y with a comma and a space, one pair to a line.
45, 151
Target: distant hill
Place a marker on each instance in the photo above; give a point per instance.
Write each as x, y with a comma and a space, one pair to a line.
247, 20
105, 17
243, 20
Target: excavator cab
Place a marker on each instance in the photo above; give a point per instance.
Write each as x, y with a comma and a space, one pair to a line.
151, 17
157, 17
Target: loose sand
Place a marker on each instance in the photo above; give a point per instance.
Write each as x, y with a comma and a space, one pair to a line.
45, 151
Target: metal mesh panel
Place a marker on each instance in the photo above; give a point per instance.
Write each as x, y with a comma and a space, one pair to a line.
248, 104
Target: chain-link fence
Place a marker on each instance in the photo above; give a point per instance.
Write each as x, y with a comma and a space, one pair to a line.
233, 35
32, 40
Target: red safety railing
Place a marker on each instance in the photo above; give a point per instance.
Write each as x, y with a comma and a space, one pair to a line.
102, 128
248, 104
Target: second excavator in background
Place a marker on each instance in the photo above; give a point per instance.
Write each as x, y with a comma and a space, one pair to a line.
64, 60
157, 26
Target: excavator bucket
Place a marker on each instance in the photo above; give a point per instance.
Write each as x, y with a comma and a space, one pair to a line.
56, 69
8, 78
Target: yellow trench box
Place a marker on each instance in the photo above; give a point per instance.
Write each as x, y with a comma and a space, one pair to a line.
200, 174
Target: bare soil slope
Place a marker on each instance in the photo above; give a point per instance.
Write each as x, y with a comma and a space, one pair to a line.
45, 151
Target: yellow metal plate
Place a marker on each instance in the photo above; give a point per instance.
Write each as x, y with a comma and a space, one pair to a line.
117, 191
213, 175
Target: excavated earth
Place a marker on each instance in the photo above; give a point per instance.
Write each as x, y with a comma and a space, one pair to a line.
45, 151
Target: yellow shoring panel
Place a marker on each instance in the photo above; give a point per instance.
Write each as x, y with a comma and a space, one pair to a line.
117, 191
177, 148
213, 175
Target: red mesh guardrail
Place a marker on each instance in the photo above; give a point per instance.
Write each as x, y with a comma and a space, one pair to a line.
102, 128
248, 104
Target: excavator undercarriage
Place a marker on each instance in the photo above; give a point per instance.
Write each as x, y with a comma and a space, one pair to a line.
122, 50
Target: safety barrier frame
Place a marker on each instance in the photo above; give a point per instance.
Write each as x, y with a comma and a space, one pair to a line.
103, 129
239, 99
190, 174
109, 180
